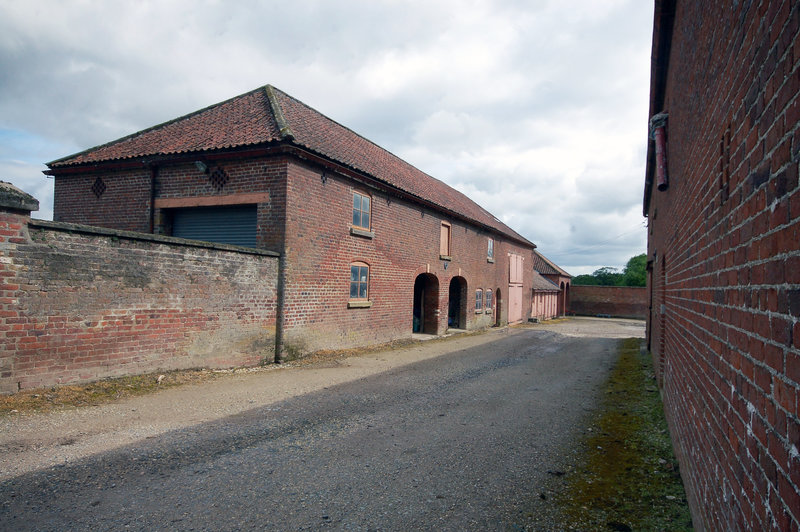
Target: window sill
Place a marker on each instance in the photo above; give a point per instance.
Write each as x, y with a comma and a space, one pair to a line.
355, 231
488, 311
359, 303
445, 257
479, 312
490, 260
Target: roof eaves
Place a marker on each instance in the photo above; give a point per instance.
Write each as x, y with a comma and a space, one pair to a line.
282, 122
361, 174
663, 24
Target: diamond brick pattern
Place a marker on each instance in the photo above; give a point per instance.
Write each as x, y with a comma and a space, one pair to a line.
98, 187
218, 179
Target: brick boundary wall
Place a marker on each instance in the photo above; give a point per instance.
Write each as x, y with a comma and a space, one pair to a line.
617, 301
81, 303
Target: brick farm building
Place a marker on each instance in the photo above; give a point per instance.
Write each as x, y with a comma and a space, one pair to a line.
723, 205
371, 248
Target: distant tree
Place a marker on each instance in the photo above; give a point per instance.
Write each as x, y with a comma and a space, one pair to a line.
607, 276
586, 279
635, 272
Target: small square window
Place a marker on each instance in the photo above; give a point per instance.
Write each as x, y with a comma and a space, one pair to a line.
361, 211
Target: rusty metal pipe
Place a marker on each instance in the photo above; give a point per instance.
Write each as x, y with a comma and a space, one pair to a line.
658, 132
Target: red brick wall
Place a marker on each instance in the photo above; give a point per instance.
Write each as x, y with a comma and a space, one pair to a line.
124, 204
619, 301
725, 323
246, 178
320, 248
312, 219
77, 306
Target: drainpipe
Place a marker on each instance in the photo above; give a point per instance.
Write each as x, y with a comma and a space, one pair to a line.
153, 176
658, 132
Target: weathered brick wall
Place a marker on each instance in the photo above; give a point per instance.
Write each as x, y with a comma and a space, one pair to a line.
312, 218
258, 180
119, 200
619, 301
77, 305
125, 201
320, 249
725, 323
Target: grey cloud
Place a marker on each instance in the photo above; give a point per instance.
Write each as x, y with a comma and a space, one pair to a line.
500, 124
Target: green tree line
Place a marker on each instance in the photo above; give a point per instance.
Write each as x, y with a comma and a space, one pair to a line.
634, 274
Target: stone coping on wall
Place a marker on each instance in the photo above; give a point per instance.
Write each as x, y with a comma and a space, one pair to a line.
147, 237
15, 199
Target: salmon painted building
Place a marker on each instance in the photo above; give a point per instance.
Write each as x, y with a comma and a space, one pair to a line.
550, 271
544, 298
371, 248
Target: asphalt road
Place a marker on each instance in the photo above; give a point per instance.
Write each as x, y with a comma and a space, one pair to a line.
463, 441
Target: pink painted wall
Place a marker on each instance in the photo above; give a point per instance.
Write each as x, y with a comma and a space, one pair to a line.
544, 305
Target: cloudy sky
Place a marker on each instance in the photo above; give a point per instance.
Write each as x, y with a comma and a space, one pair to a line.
536, 109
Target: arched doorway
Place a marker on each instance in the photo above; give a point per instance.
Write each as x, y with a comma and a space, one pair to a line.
426, 304
457, 304
566, 300
561, 299
498, 308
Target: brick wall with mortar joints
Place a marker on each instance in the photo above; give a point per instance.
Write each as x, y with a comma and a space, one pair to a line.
245, 176
77, 306
623, 301
732, 339
123, 205
317, 312
320, 249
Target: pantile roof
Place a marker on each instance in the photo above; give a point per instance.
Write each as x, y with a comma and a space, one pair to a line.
541, 284
545, 266
266, 116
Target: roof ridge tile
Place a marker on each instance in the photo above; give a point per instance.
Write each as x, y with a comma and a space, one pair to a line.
284, 127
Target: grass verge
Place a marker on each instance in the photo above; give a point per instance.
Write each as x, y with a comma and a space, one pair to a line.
100, 392
627, 477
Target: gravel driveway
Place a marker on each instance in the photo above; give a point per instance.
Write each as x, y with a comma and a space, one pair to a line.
454, 435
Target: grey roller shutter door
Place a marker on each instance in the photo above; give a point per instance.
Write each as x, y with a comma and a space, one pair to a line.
224, 225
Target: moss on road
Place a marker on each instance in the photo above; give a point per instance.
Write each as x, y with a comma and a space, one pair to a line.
627, 477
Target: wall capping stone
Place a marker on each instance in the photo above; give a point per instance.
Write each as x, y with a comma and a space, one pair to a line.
15, 199
133, 235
